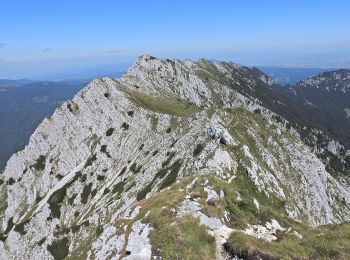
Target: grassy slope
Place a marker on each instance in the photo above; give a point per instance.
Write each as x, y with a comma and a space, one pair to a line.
185, 238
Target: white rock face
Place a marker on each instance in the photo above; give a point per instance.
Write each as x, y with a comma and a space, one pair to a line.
139, 246
267, 232
88, 164
108, 245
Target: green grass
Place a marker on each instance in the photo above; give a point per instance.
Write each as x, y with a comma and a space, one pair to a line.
168, 105
177, 238
185, 239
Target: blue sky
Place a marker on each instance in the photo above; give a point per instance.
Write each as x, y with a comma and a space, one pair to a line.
50, 35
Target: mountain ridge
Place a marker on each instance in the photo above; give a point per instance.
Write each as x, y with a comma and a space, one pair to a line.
91, 181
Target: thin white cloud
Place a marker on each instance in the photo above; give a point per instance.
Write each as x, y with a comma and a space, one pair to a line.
46, 50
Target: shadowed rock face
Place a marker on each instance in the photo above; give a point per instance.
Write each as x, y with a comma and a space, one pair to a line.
78, 187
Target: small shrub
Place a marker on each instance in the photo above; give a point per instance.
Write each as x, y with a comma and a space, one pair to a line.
55, 201
155, 153
125, 126
171, 177
103, 148
59, 177
41, 241
122, 171
118, 188
99, 230
71, 199
166, 163
20, 228
93, 193
143, 193
40, 163
131, 113
69, 106
100, 177
11, 181
38, 198
134, 169
86, 193
90, 160
106, 95
109, 131
59, 249
130, 186
83, 178
168, 130
199, 148
257, 111
75, 228
173, 143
